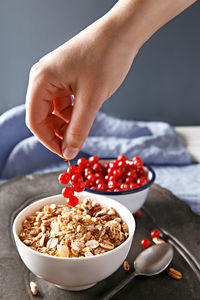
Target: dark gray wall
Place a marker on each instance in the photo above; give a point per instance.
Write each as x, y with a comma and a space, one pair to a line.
163, 83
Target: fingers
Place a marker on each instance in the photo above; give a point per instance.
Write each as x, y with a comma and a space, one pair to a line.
58, 125
84, 112
63, 107
38, 111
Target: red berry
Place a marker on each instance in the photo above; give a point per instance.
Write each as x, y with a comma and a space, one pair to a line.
82, 162
132, 174
141, 172
112, 164
76, 179
129, 179
155, 233
102, 187
133, 186
79, 187
138, 213
88, 184
88, 171
99, 181
121, 157
73, 170
97, 167
110, 171
72, 200
99, 175
93, 159
145, 243
91, 178
118, 172
112, 178
67, 191
124, 186
64, 178
122, 163
106, 178
112, 184
137, 162
142, 180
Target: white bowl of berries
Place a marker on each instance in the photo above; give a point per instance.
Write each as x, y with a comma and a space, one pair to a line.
125, 180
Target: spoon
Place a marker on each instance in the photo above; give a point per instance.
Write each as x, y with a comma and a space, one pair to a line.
150, 261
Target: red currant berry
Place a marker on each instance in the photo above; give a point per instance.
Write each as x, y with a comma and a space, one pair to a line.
97, 167
88, 184
141, 172
155, 233
129, 179
79, 187
72, 200
110, 171
112, 164
93, 188
124, 186
142, 180
102, 187
132, 174
133, 186
64, 178
121, 157
67, 191
145, 243
88, 171
99, 181
93, 159
112, 178
99, 175
137, 162
82, 162
76, 179
122, 163
112, 184
118, 172
73, 170
91, 178
137, 213
106, 178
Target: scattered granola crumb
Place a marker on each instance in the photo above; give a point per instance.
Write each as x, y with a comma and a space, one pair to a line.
126, 266
33, 287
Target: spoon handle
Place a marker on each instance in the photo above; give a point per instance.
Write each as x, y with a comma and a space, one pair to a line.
120, 286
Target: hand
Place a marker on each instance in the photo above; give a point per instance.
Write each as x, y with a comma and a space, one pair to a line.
90, 66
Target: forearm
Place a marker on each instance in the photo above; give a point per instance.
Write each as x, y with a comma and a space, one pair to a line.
138, 20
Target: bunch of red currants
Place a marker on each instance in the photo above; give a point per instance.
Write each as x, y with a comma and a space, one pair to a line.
117, 175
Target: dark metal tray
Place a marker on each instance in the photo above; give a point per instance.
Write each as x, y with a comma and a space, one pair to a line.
162, 210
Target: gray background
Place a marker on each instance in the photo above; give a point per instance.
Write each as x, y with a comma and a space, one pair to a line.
163, 83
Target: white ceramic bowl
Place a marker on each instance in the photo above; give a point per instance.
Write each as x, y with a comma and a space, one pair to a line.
73, 273
132, 199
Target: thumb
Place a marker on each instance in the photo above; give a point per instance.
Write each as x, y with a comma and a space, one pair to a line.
83, 114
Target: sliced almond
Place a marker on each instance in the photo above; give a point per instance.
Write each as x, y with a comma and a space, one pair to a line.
92, 244
63, 251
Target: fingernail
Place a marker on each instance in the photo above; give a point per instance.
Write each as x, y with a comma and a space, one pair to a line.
70, 152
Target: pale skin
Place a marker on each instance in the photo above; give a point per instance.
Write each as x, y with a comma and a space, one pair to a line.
91, 66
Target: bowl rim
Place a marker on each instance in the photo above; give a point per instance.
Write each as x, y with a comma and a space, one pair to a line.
16, 236
131, 191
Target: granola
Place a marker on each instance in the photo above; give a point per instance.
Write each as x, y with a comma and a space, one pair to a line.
87, 229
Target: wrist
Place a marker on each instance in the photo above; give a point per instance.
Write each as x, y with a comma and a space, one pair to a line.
137, 20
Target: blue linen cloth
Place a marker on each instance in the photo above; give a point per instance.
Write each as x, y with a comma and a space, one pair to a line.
155, 142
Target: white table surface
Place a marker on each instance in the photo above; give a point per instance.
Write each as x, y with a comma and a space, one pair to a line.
190, 136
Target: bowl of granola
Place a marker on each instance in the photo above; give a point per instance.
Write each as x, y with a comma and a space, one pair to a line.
74, 247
